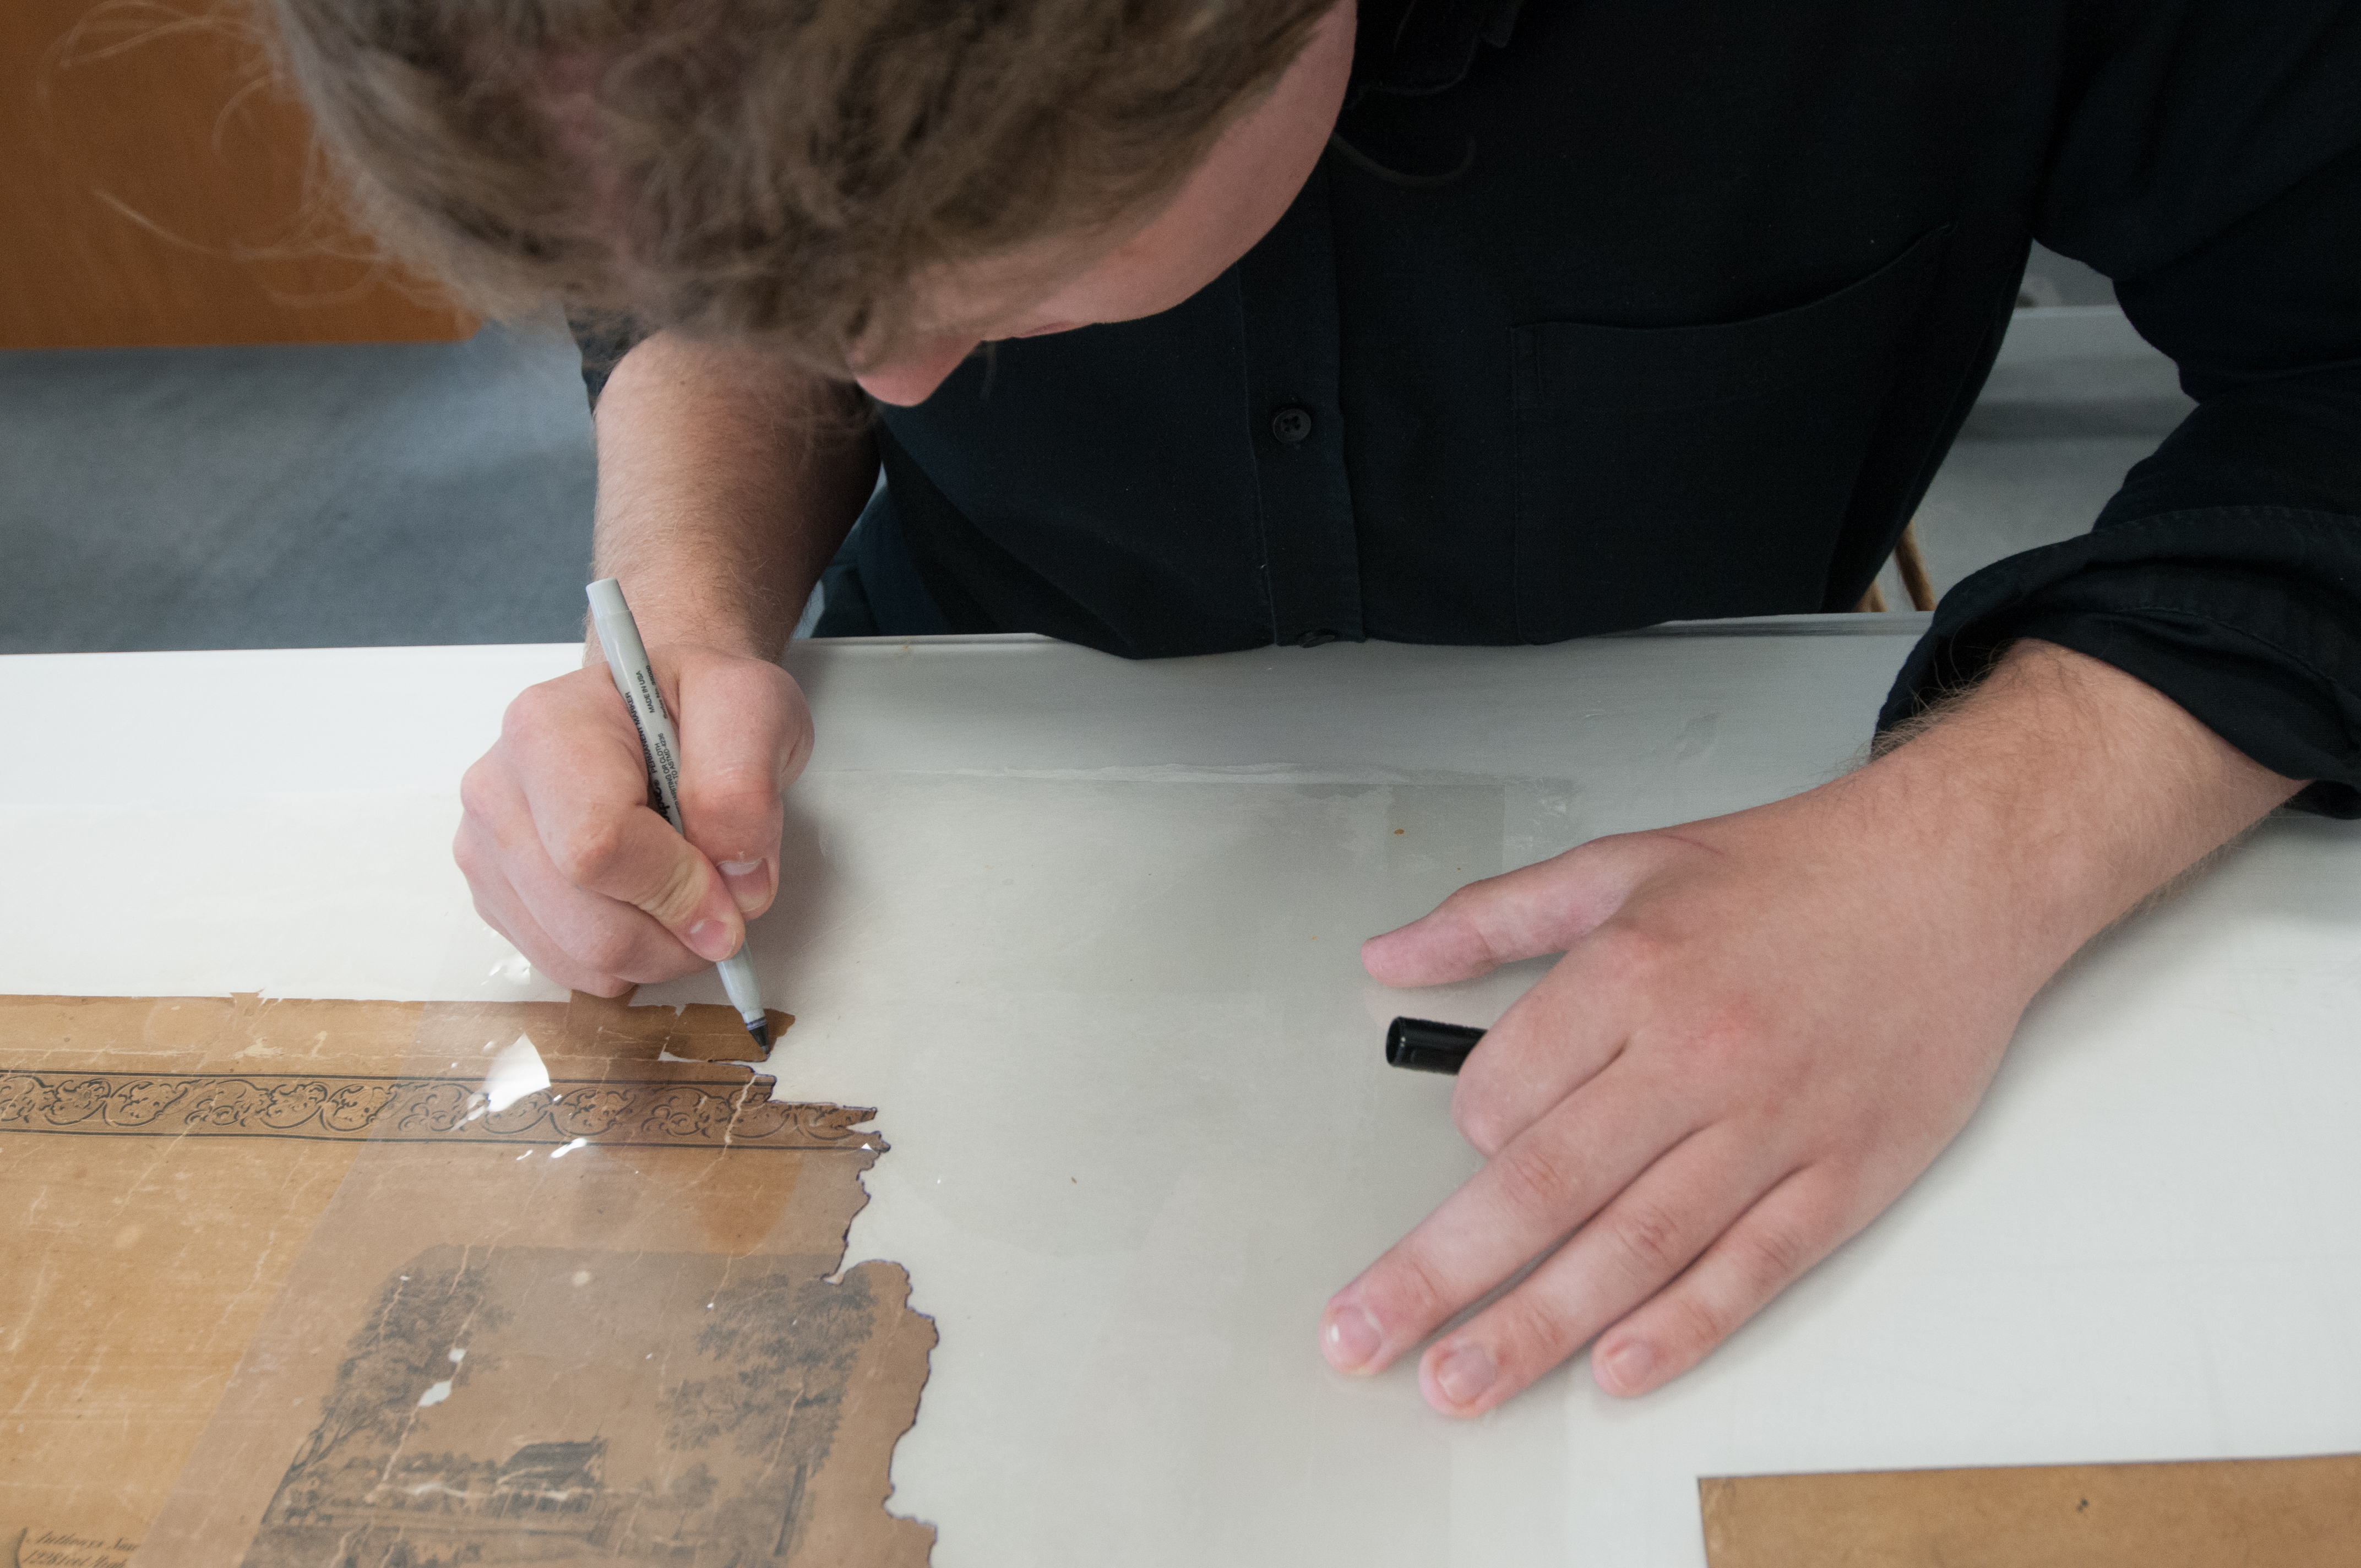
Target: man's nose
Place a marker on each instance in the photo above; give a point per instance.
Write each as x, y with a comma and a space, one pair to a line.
912, 378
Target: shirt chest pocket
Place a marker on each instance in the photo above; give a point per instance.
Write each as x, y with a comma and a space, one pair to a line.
1698, 471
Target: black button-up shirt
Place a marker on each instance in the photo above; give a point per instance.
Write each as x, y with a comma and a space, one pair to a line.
1600, 312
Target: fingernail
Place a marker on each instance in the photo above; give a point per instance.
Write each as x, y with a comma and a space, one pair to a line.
748, 883
711, 940
1628, 1366
1464, 1372
1351, 1339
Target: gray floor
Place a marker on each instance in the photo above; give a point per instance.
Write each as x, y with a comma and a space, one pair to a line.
275, 498
287, 497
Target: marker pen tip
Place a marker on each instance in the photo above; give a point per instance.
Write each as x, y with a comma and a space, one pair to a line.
760, 1029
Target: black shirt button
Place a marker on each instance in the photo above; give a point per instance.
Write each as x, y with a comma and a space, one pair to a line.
1288, 427
1315, 639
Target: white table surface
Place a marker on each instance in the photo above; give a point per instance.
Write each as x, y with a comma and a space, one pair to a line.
1085, 931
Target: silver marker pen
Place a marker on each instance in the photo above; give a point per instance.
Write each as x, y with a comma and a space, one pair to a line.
627, 660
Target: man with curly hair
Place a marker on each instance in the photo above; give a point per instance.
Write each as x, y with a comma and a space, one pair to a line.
1202, 325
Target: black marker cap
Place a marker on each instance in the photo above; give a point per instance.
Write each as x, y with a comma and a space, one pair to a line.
1426, 1047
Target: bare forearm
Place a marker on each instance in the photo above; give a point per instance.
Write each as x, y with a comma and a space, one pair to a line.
727, 479
2067, 790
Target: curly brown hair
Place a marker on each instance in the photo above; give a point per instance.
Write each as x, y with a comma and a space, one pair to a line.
778, 169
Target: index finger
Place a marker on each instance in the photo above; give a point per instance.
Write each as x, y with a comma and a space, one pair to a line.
1569, 1026
1557, 1174
579, 762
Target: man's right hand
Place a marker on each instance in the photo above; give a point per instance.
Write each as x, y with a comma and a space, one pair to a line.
568, 860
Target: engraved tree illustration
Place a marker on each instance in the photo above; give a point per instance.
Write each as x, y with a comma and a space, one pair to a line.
426, 1313
788, 1343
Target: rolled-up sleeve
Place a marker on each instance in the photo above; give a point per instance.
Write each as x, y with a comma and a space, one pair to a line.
2210, 161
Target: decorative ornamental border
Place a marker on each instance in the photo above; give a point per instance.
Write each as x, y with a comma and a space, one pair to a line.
666, 1114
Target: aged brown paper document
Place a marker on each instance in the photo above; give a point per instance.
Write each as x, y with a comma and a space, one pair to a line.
2256, 1513
417, 1285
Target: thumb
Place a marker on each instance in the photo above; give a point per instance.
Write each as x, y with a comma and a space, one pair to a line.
641, 861
745, 733
1542, 908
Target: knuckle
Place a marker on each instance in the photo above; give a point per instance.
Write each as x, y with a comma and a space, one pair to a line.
763, 681
1696, 1322
1630, 955
1481, 1119
467, 850
479, 789
610, 950
491, 916
1652, 1240
800, 734
1475, 905
1536, 1180
588, 854
732, 798
679, 893
1413, 1290
1466, 897
1538, 1329
528, 715
1768, 1257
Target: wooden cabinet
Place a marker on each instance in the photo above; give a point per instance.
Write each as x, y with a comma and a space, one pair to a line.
153, 190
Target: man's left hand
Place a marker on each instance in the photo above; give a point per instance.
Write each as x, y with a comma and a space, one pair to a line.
1766, 1024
